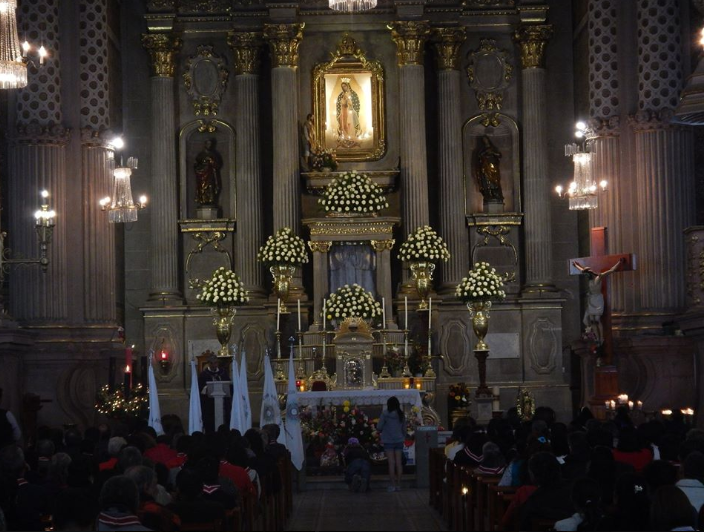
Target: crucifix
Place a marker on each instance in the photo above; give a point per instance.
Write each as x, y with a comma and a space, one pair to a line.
598, 266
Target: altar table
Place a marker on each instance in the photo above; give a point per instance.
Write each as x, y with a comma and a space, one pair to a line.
360, 397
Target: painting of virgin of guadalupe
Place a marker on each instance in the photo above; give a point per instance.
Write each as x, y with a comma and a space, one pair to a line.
347, 110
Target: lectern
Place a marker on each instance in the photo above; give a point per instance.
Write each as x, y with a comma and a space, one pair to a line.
218, 390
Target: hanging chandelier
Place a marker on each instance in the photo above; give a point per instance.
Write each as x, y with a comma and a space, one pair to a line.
351, 6
13, 67
121, 206
582, 192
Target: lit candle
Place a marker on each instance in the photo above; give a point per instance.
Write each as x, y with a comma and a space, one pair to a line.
630, 405
639, 404
613, 404
418, 386
299, 316
128, 380
430, 311
405, 306
278, 313
607, 404
407, 385
383, 313
128, 356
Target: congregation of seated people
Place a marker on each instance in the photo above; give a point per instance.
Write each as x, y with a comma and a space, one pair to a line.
588, 475
105, 479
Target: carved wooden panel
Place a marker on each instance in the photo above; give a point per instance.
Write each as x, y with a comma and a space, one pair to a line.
454, 339
543, 346
164, 337
253, 341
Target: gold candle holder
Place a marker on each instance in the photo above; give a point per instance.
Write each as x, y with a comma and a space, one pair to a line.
406, 369
300, 370
280, 375
385, 369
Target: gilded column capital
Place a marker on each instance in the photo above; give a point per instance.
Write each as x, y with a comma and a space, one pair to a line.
383, 245
533, 38
246, 47
410, 37
284, 40
162, 48
448, 42
319, 246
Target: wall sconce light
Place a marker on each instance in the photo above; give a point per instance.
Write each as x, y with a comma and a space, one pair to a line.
164, 360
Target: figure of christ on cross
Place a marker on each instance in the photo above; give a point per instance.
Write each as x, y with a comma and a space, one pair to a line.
598, 266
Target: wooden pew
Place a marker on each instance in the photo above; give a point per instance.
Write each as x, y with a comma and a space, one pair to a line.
499, 498
481, 483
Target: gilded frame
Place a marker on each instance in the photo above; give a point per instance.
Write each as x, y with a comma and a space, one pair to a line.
349, 61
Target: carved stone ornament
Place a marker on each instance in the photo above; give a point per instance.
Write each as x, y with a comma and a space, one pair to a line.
532, 39
654, 120
383, 245
604, 127
489, 73
161, 6
246, 47
448, 42
209, 7
162, 48
96, 138
49, 135
410, 37
319, 246
204, 239
284, 40
483, 4
205, 79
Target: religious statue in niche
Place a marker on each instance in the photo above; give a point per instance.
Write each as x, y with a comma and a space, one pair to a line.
207, 170
348, 108
310, 138
595, 300
487, 171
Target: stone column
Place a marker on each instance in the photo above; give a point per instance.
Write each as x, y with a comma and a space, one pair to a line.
605, 129
532, 40
37, 160
284, 40
453, 227
664, 161
99, 262
249, 236
383, 277
320, 278
162, 48
410, 38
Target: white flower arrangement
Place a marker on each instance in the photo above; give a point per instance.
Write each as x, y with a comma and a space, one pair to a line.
353, 193
283, 248
223, 289
482, 284
352, 301
424, 244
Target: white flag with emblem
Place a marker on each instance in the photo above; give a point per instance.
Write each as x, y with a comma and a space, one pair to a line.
236, 411
294, 438
154, 410
270, 413
195, 414
244, 395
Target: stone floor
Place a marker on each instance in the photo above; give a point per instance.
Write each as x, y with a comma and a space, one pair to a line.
338, 509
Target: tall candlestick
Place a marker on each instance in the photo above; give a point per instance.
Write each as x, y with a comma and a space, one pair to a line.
383, 313
325, 313
128, 356
128, 380
299, 315
405, 306
430, 311
278, 314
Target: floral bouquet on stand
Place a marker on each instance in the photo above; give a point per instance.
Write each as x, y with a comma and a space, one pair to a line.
321, 159
283, 253
458, 396
223, 289
481, 284
353, 194
421, 250
352, 302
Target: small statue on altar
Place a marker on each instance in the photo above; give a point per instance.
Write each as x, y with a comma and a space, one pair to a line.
595, 300
310, 137
207, 170
487, 171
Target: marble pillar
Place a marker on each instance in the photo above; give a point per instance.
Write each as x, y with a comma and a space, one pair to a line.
664, 159
453, 227
246, 47
162, 48
99, 281
321, 284
532, 40
410, 38
284, 40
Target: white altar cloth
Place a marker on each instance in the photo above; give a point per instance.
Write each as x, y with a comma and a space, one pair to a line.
359, 397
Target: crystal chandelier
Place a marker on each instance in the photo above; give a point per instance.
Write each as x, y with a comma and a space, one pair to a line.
120, 206
582, 191
13, 68
351, 6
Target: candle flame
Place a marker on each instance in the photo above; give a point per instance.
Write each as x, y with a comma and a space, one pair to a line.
128, 369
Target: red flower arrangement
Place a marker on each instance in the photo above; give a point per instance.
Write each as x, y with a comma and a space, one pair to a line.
458, 397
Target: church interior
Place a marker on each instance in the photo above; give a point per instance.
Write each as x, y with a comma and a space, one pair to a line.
490, 210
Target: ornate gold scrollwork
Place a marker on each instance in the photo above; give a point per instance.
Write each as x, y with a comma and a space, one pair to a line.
498, 232
410, 37
162, 48
447, 46
381, 245
284, 40
533, 38
205, 103
490, 94
319, 246
247, 50
205, 239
